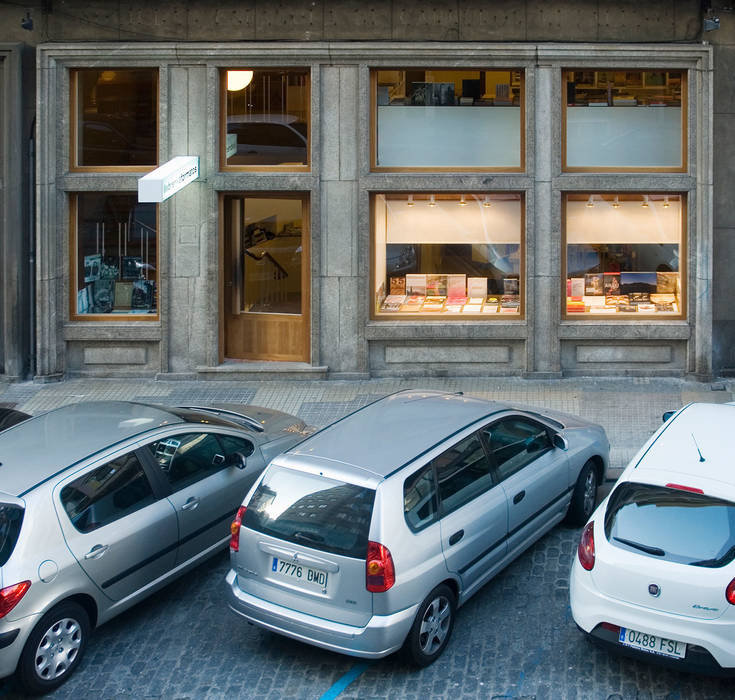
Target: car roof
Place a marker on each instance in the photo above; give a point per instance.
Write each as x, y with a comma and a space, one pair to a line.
695, 442
387, 434
40, 447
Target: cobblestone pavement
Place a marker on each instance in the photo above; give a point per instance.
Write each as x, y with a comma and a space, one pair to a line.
514, 640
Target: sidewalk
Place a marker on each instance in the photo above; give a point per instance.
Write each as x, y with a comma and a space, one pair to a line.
628, 408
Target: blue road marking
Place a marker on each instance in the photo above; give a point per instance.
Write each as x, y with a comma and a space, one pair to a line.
355, 672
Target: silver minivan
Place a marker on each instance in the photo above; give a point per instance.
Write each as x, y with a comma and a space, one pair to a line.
367, 536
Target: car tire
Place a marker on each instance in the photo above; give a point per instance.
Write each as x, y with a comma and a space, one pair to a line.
584, 496
432, 627
54, 648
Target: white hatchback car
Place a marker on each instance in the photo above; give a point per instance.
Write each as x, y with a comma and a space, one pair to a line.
654, 576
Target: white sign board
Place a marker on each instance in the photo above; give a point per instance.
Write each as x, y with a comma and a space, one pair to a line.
161, 183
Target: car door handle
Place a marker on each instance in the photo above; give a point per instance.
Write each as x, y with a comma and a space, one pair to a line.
190, 504
97, 551
519, 497
456, 537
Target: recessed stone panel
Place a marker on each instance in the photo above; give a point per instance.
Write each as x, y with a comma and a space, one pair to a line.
624, 353
112, 355
420, 354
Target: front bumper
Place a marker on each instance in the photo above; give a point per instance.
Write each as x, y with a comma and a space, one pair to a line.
383, 634
710, 643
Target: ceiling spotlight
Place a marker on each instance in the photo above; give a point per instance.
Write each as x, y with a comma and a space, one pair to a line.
590, 203
616, 203
432, 201
486, 201
644, 203
410, 201
238, 79
462, 203
666, 202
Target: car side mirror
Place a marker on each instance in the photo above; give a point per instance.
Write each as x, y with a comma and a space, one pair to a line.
560, 442
236, 459
667, 415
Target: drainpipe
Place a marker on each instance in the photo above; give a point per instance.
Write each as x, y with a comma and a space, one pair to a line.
32, 249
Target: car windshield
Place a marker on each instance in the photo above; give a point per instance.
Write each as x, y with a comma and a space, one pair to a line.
672, 524
311, 510
11, 518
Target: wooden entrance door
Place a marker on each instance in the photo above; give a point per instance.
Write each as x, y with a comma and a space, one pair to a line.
266, 277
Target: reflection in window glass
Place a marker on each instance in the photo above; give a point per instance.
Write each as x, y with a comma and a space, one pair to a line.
622, 119
446, 254
116, 246
419, 499
462, 473
623, 254
516, 442
267, 117
185, 459
116, 117
435, 118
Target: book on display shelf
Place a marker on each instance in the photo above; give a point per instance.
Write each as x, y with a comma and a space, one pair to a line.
416, 284
628, 308
453, 308
477, 287
413, 302
472, 309
433, 303
593, 284
577, 287
393, 302
436, 285
397, 285
611, 283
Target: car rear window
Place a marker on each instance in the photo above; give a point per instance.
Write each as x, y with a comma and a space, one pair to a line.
11, 518
672, 524
312, 510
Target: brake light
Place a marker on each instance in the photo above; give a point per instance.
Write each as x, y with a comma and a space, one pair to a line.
235, 529
730, 592
380, 574
691, 489
10, 596
586, 547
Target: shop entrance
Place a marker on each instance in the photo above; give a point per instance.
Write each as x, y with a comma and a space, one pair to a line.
266, 277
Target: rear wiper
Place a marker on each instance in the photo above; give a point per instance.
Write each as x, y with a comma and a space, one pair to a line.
656, 551
726, 558
308, 537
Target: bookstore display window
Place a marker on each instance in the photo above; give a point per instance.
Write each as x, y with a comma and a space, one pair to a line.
438, 119
447, 255
114, 257
115, 118
617, 120
266, 118
624, 255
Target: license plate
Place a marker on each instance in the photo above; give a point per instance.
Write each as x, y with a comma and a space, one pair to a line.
652, 643
294, 571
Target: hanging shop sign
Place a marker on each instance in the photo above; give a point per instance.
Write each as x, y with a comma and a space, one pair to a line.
161, 183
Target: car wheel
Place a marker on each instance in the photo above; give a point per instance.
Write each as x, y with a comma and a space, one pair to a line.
432, 627
584, 496
54, 648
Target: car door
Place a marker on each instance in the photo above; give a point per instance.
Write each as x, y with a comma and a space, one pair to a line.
532, 473
205, 491
123, 534
473, 512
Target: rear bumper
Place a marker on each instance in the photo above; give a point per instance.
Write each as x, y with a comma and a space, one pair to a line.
710, 643
13, 636
383, 634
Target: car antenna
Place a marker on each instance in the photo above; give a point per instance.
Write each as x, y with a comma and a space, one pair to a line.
701, 459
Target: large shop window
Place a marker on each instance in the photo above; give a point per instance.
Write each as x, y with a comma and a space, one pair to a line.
114, 257
266, 118
436, 119
448, 255
115, 118
625, 255
625, 120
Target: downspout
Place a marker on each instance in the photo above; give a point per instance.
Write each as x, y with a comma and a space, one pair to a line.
32, 248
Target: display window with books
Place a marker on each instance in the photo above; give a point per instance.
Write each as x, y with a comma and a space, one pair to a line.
265, 119
114, 117
624, 256
624, 120
447, 255
442, 119
114, 257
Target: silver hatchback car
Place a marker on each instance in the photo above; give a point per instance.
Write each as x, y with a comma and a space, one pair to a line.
103, 503
367, 536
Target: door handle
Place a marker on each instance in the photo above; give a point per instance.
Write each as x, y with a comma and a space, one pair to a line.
190, 504
97, 551
456, 537
519, 497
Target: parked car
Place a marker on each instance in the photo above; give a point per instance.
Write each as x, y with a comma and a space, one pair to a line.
10, 417
654, 577
368, 535
102, 503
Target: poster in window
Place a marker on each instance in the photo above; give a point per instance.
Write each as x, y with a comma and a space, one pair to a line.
92, 267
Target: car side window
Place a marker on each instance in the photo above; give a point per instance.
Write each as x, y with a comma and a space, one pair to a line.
188, 458
231, 444
515, 442
110, 492
419, 499
462, 472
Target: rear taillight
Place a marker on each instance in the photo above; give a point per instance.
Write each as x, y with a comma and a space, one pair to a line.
586, 548
380, 574
235, 529
730, 592
10, 596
